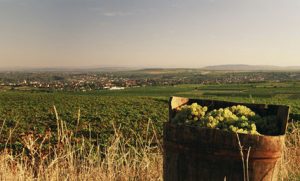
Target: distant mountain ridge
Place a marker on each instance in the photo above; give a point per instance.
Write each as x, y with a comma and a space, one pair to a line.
245, 67
225, 67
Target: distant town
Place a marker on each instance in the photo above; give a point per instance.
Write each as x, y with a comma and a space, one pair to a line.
88, 81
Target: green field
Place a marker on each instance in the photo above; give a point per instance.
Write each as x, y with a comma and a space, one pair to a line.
130, 109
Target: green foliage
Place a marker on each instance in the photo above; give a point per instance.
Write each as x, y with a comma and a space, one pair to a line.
34, 112
129, 109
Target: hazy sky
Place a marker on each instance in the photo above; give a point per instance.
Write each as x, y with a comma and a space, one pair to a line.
155, 33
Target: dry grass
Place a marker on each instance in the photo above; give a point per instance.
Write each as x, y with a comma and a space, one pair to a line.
76, 159
72, 159
290, 167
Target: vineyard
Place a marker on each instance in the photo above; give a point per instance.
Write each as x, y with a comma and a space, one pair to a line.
130, 109
96, 115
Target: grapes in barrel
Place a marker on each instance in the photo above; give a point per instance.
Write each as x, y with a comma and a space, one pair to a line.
238, 119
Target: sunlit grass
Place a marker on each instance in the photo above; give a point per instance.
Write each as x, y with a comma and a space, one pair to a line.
66, 157
69, 158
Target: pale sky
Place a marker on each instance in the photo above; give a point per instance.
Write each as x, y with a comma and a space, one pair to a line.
149, 33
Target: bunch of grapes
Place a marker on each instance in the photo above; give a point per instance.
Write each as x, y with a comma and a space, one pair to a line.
240, 110
216, 117
234, 119
242, 125
190, 114
239, 119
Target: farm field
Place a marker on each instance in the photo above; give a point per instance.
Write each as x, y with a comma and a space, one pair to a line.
130, 108
136, 113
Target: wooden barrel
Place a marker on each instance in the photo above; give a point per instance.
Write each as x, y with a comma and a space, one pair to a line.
193, 153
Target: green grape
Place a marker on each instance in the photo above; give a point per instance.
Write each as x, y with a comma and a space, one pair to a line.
238, 119
189, 114
240, 110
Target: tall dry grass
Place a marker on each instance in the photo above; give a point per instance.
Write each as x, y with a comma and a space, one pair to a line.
70, 158
290, 167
